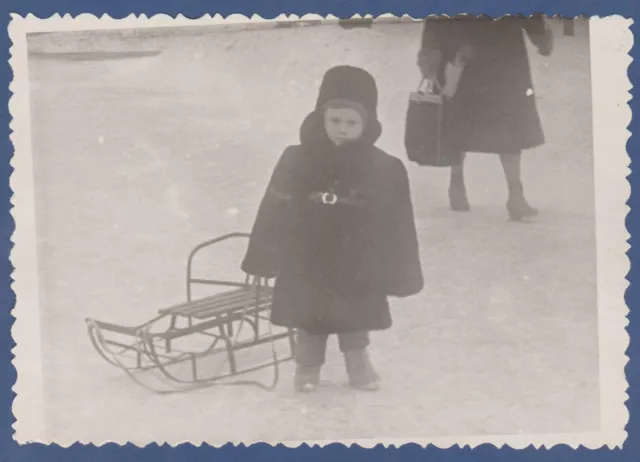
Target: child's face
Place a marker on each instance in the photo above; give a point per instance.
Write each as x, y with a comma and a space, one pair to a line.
343, 124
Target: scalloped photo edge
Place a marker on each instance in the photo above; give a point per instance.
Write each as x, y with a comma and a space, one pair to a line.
610, 42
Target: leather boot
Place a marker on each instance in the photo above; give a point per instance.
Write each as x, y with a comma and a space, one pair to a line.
517, 206
306, 378
458, 194
360, 370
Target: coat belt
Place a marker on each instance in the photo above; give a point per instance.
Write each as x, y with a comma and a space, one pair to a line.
326, 197
330, 198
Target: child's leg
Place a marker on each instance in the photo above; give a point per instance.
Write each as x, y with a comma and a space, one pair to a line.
309, 355
359, 368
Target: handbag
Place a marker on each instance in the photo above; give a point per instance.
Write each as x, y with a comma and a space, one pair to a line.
426, 136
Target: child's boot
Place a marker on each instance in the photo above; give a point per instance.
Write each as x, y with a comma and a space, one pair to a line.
360, 370
306, 378
309, 355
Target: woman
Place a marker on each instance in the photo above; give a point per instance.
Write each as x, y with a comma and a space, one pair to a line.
494, 108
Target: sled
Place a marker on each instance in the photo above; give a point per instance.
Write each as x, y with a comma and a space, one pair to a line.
198, 343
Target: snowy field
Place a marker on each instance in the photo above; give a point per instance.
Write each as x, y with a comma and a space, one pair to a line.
140, 159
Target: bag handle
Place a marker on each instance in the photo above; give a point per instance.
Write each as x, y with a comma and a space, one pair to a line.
431, 84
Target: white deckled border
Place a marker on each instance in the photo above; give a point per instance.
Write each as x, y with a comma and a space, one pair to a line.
610, 84
611, 41
28, 404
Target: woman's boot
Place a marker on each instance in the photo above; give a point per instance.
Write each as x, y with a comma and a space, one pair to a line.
457, 190
360, 370
517, 206
458, 197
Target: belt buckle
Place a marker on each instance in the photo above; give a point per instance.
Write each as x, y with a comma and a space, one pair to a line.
329, 198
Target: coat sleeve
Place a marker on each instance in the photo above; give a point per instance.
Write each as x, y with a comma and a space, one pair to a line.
539, 33
262, 256
439, 34
404, 268
441, 40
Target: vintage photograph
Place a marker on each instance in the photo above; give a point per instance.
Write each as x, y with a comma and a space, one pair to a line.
371, 230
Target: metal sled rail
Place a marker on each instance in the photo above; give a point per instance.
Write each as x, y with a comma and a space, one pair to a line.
148, 353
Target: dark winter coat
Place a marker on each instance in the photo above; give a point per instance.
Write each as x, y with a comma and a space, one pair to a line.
494, 109
336, 264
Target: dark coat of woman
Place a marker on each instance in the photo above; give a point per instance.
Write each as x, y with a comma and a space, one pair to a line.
494, 109
335, 265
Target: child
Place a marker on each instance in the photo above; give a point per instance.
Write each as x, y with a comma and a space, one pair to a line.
336, 229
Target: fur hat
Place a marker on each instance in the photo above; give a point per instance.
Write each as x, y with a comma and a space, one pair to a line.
353, 87
349, 83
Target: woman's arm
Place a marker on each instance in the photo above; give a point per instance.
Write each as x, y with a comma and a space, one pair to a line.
440, 42
430, 54
539, 33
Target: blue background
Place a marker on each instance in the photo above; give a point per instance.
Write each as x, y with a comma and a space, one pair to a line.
9, 451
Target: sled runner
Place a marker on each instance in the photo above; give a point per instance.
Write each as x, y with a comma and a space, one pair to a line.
199, 342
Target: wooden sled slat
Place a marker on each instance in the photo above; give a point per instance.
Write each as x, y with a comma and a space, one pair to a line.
234, 300
229, 309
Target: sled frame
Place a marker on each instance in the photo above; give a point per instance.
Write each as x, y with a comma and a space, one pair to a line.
218, 318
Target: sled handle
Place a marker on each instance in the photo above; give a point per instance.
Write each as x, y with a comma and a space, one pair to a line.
203, 245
